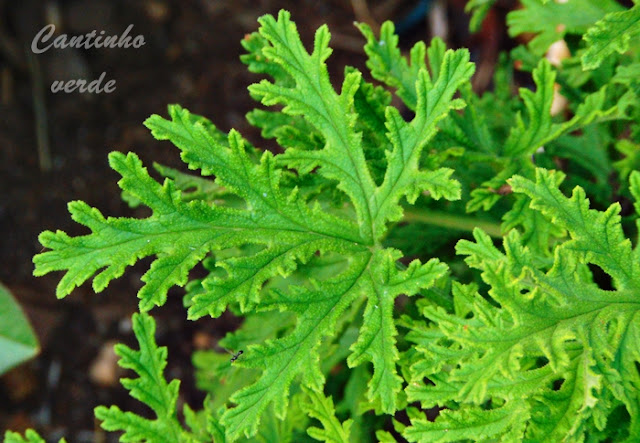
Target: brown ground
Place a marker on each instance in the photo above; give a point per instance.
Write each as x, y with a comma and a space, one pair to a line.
190, 57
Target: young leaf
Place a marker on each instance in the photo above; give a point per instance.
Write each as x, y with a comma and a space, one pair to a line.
150, 388
320, 407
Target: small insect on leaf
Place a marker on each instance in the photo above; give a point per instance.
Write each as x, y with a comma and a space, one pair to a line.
236, 355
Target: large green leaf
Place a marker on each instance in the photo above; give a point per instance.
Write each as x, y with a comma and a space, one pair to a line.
273, 228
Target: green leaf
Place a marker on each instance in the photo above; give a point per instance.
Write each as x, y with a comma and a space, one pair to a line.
551, 20
259, 245
537, 232
182, 233
149, 388
548, 323
376, 342
303, 243
469, 423
30, 436
403, 176
387, 64
479, 10
634, 187
321, 408
611, 34
330, 113
595, 234
525, 138
18, 342
216, 374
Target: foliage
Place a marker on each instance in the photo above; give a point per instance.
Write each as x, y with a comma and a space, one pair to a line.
556, 355
318, 247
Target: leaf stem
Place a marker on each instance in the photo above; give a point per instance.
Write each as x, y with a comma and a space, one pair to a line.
446, 220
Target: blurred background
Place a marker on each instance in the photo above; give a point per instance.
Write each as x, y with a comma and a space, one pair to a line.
53, 149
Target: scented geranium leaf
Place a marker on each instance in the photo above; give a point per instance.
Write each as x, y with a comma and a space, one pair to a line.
259, 62
403, 176
117, 243
479, 131
30, 436
217, 375
548, 323
370, 103
551, 20
296, 132
149, 388
317, 309
525, 138
557, 408
479, 10
469, 424
597, 234
269, 245
634, 187
435, 100
320, 407
431, 99
611, 34
376, 342
529, 135
631, 160
193, 187
470, 128
387, 64
332, 114
181, 233
289, 131
311, 229
537, 233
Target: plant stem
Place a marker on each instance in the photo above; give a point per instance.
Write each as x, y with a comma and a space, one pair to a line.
446, 220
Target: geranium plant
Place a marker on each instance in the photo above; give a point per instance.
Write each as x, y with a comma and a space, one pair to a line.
528, 330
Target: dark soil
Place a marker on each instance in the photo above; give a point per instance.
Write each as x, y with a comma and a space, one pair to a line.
191, 57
